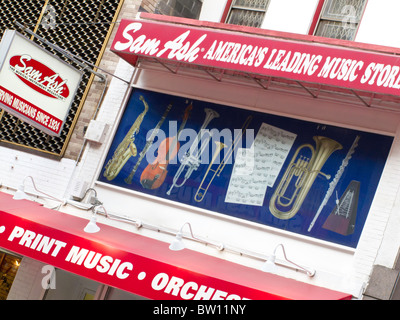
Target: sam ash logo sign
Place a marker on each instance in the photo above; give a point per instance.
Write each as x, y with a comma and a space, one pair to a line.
36, 86
39, 77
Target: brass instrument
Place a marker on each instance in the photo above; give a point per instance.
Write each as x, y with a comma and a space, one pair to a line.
191, 160
304, 171
126, 148
202, 190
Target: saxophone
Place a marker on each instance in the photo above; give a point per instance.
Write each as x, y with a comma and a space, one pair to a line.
126, 148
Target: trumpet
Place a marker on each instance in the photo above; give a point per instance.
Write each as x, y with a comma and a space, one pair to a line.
304, 171
191, 160
202, 190
126, 149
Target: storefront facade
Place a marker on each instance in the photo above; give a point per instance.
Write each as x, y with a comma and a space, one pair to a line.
245, 142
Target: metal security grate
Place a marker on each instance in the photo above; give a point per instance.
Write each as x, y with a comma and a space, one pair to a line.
249, 13
78, 26
340, 19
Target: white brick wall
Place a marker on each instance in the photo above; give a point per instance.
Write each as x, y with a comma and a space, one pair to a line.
51, 176
108, 114
27, 283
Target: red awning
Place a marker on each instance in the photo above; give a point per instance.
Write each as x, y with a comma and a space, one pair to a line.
138, 264
370, 73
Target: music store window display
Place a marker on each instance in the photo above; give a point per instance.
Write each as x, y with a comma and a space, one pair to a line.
303, 177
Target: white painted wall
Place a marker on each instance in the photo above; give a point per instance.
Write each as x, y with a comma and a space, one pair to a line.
290, 15
282, 15
212, 10
50, 176
380, 23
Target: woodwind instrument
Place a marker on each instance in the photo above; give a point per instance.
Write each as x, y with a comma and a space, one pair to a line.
335, 181
126, 148
191, 160
203, 188
149, 142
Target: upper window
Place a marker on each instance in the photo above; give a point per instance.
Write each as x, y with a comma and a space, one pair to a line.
340, 19
249, 13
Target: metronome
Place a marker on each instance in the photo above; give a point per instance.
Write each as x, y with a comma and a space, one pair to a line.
342, 219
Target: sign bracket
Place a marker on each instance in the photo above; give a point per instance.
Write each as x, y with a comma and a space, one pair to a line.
79, 61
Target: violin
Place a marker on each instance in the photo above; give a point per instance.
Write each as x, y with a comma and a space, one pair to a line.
153, 176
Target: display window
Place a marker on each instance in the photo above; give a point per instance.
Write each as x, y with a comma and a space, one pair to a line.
304, 177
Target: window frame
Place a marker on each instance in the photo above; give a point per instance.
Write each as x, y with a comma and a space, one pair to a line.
230, 6
318, 18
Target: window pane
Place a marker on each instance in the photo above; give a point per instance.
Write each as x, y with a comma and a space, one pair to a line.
338, 9
254, 4
246, 18
336, 30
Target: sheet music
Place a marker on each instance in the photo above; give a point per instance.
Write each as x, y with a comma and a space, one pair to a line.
257, 168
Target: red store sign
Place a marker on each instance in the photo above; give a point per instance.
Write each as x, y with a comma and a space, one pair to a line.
138, 264
35, 85
261, 55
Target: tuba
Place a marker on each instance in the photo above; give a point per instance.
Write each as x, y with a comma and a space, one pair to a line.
290, 195
126, 148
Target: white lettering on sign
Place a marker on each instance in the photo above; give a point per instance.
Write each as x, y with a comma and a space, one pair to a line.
178, 49
189, 290
36, 241
138, 45
99, 262
236, 53
296, 60
24, 108
40, 77
6, 97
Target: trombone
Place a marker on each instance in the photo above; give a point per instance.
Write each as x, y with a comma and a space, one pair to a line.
203, 188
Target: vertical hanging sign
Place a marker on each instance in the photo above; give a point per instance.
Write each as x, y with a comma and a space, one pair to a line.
35, 86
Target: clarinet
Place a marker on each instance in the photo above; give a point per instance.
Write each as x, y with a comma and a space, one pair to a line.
335, 181
129, 179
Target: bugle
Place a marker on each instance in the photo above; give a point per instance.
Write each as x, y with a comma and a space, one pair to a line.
203, 188
191, 160
300, 176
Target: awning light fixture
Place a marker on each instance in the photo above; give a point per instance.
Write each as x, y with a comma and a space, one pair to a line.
177, 244
271, 267
96, 206
92, 226
20, 194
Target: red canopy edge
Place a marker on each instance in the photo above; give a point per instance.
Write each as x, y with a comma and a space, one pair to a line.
272, 33
317, 64
139, 264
